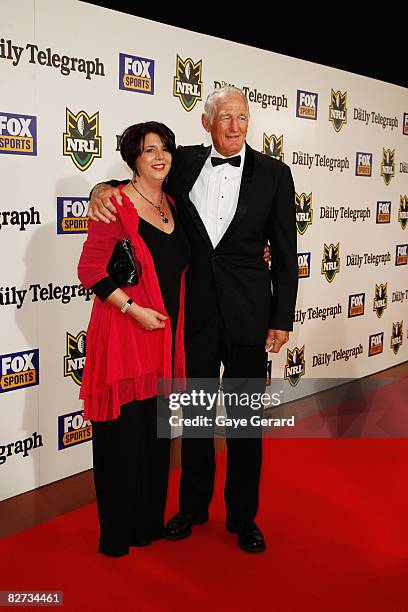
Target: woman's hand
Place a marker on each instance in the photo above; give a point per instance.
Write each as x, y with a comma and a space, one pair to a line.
147, 318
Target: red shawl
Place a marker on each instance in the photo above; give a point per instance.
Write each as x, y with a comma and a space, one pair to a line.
123, 361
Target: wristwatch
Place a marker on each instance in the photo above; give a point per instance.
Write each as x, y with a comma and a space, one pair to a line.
126, 306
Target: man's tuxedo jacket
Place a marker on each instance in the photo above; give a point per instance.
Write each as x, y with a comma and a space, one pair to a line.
232, 278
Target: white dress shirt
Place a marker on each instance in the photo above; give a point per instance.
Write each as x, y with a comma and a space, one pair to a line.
215, 194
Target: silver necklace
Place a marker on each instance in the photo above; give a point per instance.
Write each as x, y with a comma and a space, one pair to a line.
156, 206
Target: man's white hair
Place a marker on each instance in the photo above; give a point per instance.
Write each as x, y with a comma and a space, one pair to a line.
211, 101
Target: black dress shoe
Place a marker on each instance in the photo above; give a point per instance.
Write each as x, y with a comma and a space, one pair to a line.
181, 525
250, 537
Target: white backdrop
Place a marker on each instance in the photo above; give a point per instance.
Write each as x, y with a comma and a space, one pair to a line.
44, 312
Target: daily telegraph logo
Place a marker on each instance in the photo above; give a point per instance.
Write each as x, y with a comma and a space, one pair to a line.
136, 74
331, 261
73, 430
396, 336
19, 370
344, 212
373, 259
338, 109
264, 99
18, 134
356, 305
304, 265
20, 218
403, 211
12, 296
273, 146
383, 212
388, 165
364, 164
187, 84
373, 117
380, 299
302, 158
295, 365
82, 141
375, 344
50, 58
405, 124
23, 446
74, 360
400, 295
340, 354
304, 212
401, 254
72, 215
317, 312
306, 105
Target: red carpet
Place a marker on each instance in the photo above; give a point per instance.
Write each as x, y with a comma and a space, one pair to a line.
334, 513
377, 409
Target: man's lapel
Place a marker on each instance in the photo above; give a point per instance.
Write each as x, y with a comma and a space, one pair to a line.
244, 195
192, 173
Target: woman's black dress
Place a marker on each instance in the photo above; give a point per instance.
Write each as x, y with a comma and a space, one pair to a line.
130, 462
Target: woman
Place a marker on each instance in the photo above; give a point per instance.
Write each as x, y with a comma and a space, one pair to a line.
134, 339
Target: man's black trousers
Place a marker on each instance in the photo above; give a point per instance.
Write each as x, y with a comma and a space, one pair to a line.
204, 353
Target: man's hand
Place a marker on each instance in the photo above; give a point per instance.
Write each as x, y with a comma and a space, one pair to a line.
267, 255
100, 205
275, 339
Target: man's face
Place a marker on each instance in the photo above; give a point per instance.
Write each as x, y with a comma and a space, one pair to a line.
229, 125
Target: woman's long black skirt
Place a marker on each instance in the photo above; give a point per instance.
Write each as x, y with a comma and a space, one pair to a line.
131, 466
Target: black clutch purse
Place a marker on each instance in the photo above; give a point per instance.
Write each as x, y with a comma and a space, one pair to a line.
124, 268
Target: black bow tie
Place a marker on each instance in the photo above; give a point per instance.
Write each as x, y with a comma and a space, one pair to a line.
234, 161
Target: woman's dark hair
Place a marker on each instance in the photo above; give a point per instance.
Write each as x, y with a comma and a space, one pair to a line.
132, 140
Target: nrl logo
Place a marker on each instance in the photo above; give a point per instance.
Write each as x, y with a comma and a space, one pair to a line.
295, 365
338, 110
403, 211
304, 212
331, 261
396, 336
388, 165
74, 360
187, 84
380, 299
82, 141
273, 146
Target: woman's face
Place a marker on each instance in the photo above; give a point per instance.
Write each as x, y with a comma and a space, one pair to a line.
155, 160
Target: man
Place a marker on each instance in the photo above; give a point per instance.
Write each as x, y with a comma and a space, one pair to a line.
231, 200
